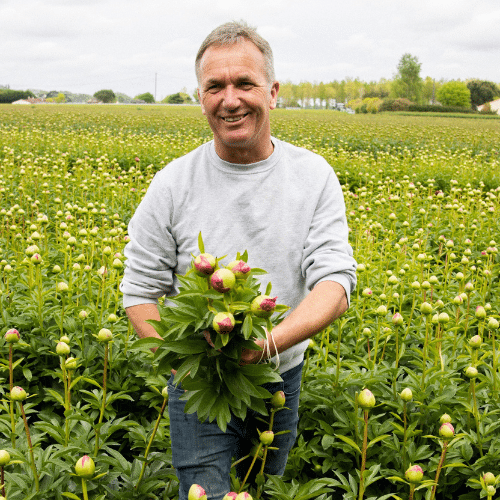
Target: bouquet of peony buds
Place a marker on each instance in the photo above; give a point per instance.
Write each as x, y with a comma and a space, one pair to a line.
218, 312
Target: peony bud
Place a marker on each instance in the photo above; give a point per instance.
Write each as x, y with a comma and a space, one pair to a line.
366, 399
104, 335
18, 394
62, 287
381, 311
164, 392
471, 372
489, 478
223, 280
4, 458
62, 349
204, 264
480, 312
223, 322
266, 438
491, 491
196, 492
12, 336
443, 318
244, 496
446, 431
70, 364
240, 268
406, 394
492, 324
64, 339
426, 308
414, 474
397, 319
263, 306
230, 496
475, 342
278, 399
85, 467
445, 418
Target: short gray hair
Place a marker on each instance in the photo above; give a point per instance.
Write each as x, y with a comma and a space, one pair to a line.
231, 33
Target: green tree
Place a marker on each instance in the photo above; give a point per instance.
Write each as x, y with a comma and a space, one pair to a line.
60, 98
408, 82
482, 91
454, 94
9, 95
105, 95
146, 97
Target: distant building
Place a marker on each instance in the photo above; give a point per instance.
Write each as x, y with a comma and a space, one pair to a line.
94, 101
494, 106
31, 100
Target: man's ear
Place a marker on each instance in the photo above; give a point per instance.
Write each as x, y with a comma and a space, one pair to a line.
275, 87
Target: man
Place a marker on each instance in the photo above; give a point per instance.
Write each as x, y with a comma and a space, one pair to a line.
245, 190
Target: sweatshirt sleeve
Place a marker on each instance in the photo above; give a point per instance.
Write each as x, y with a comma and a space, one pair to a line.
328, 256
151, 253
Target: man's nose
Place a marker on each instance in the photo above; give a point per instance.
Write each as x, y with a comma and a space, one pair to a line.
231, 99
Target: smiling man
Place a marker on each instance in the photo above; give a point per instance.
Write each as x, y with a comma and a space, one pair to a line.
243, 190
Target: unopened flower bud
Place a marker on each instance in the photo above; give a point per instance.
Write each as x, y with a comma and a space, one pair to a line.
445, 419
446, 431
366, 399
70, 364
204, 264
475, 342
223, 280
85, 467
12, 336
491, 491
104, 335
62, 349
381, 311
443, 318
263, 306
62, 287
414, 474
18, 394
397, 319
223, 322
426, 308
489, 479
278, 399
266, 438
196, 492
480, 312
406, 394
471, 372
230, 496
492, 324
4, 458
239, 268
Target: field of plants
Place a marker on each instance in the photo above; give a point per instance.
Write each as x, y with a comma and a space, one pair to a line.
400, 396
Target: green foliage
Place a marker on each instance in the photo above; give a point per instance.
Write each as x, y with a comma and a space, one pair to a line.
9, 95
105, 96
408, 82
146, 97
454, 94
422, 203
395, 105
482, 91
60, 98
178, 98
438, 108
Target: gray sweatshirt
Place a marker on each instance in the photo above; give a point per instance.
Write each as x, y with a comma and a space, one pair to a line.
287, 211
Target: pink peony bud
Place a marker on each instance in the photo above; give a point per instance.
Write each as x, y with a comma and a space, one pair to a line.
85, 467
414, 474
263, 306
244, 496
196, 492
489, 478
230, 496
12, 336
223, 322
204, 264
223, 280
62, 349
397, 319
104, 335
240, 268
446, 431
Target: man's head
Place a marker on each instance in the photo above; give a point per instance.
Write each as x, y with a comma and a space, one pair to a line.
234, 32
236, 94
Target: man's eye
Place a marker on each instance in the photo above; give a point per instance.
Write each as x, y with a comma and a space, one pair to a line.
246, 85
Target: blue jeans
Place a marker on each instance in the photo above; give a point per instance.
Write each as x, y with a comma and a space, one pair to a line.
202, 453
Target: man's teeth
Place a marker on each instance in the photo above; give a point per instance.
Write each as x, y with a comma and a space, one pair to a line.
233, 118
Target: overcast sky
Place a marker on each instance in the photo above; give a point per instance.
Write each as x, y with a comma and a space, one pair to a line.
89, 45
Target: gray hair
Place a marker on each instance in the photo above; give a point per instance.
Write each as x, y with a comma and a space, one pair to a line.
231, 33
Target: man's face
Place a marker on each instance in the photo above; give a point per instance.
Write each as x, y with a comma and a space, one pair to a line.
236, 98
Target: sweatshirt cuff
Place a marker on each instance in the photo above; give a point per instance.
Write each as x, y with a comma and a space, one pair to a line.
134, 300
341, 280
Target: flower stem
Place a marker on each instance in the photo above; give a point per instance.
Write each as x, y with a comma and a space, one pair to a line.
363, 457
11, 385
30, 447
103, 404
146, 453
438, 471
